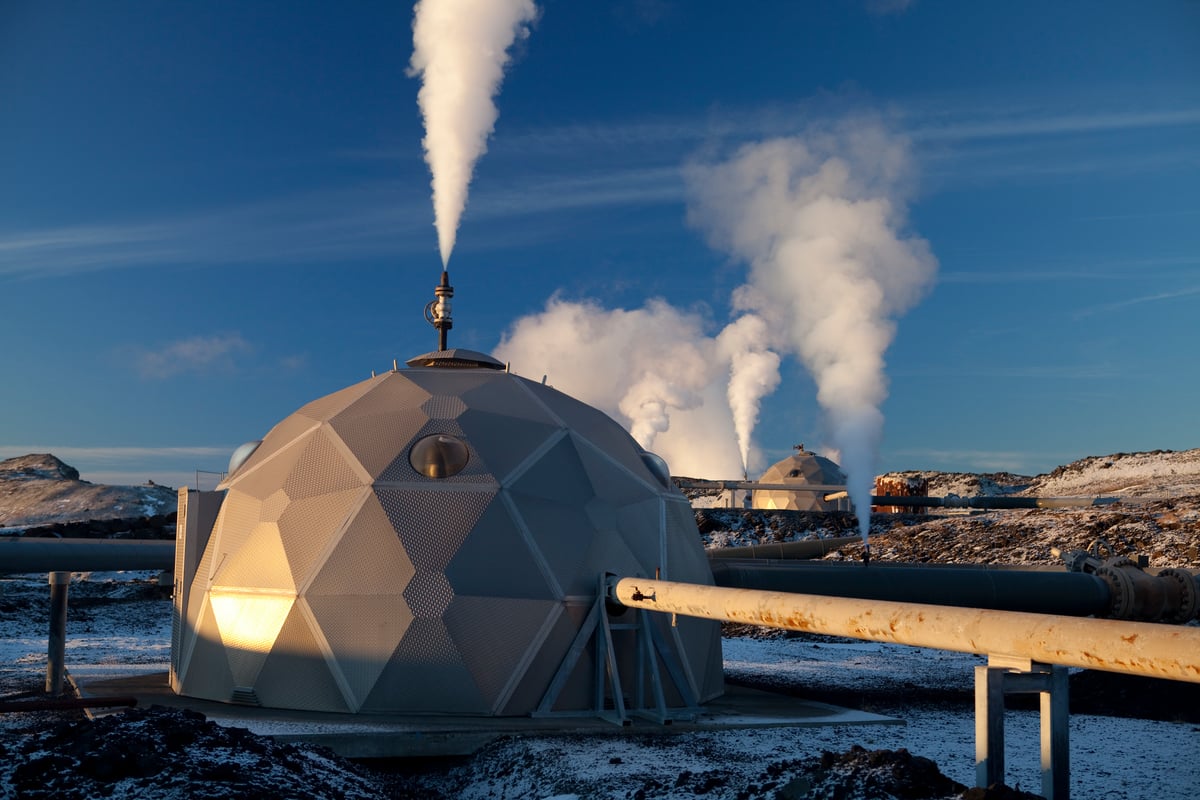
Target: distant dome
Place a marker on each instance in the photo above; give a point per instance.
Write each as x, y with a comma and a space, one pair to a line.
802, 468
430, 541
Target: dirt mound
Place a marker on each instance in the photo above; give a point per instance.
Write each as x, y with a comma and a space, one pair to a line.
170, 753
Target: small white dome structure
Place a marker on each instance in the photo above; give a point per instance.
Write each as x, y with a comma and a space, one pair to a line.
801, 468
432, 540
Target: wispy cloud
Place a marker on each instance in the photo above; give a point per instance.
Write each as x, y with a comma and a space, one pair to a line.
195, 354
1157, 297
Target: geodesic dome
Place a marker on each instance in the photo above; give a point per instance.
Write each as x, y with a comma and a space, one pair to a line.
802, 468
431, 540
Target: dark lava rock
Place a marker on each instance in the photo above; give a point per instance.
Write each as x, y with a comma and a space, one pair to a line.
158, 752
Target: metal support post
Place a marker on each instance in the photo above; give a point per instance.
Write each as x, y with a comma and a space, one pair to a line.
56, 642
1006, 675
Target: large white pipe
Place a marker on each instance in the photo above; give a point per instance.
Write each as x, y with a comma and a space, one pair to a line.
1135, 648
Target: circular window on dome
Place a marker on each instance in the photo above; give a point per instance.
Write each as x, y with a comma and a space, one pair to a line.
439, 456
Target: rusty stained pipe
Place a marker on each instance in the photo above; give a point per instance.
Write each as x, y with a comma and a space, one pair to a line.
1134, 648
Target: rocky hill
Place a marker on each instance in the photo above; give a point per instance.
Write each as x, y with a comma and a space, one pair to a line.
39, 489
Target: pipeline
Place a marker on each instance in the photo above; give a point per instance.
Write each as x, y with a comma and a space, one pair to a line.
1171, 596
84, 555
800, 549
65, 704
1134, 648
992, 502
1036, 591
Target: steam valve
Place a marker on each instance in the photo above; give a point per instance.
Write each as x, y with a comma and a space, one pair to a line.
437, 311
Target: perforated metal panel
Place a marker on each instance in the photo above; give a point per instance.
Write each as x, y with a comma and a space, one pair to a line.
494, 635
443, 407
268, 476
260, 563
362, 631
320, 469
296, 669
495, 561
426, 674
401, 471
310, 525
432, 525
239, 514
276, 439
801, 468
324, 408
368, 559
382, 423
506, 441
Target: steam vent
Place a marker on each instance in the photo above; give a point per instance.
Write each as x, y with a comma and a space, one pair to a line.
431, 540
802, 468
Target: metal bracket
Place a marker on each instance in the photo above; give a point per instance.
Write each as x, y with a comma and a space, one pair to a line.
1007, 675
608, 695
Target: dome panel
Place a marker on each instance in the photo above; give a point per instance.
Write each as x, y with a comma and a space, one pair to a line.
204, 666
362, 631
495, 561
262, 479
442, 406
686, 560
295, 668
428, 594
429, 526
325, 407
611, 481
597, 427
239, 515
382, 423
310, 526
259, 562
558, 474
507, 396
249, 625
320, 469
562, 532
426, 674
504, 442
278, 438
497, 637
368, 559
641, 527
274, 506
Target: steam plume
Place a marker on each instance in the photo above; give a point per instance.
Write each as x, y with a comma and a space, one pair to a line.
460, 49
753, 374
654, 368
820, 221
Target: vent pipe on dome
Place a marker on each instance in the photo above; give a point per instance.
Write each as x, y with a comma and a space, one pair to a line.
437, 311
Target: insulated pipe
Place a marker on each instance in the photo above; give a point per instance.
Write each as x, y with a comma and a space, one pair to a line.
84, 555
998, 502
801, 549
1072, 593
1134, 648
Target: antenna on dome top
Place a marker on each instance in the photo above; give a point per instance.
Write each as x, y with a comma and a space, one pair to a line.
437, 311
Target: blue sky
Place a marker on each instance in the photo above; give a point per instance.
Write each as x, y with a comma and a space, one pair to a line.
215, 212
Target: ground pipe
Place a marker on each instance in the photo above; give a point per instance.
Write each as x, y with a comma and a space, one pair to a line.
84, 555
1134, 648
801, 549
1072, 593
994, 502
65, 704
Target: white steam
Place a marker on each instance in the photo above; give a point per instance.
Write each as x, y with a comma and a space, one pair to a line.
460, 49
654, 368
820, 221
753, 374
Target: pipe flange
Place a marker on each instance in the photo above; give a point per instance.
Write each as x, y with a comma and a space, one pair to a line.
1189, 595
1121, 562
1121, 591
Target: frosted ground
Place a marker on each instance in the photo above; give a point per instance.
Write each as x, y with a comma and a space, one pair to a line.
123, 619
